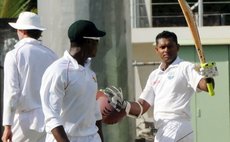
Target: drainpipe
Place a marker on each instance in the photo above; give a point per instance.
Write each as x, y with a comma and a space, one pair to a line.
200, 12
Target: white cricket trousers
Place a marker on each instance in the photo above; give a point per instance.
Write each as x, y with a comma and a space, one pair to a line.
91, 138
23, 130
174, 131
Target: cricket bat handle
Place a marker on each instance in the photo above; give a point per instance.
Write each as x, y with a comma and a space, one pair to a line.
210, 87
209, 80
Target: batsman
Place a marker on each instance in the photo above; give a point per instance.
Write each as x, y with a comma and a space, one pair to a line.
168, 90
196, 37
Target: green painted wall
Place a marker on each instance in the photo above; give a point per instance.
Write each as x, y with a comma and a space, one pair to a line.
211, 114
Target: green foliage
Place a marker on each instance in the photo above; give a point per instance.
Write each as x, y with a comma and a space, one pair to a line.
1, 1
12, 8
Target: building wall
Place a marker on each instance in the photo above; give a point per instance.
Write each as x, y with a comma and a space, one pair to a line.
211, 113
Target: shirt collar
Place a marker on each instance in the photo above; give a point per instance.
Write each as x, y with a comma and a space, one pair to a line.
71, 59
88, 63
174, 63
26, 40
74, 62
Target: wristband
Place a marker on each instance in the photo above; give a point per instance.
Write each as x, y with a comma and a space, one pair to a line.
140, 108
128, 107
127, 110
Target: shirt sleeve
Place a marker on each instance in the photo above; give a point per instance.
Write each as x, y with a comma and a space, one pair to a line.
193, 77
148, 93
11, 89
52, 93
98, 115
98, 112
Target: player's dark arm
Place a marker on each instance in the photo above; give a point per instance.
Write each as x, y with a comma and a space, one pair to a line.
60, 134
99, 125
203, 84
136, 108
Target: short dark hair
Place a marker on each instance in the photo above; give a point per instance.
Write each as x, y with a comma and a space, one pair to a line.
36, 34
167, 34
78, 42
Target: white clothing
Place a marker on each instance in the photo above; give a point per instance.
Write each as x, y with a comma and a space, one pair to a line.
68, 94
22, 131
23, 70
174, 131
170, 91
90, 138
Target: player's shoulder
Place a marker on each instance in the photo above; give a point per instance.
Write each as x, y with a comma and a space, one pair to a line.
185, 63
58, 66
154, 73
11, 52
186, 66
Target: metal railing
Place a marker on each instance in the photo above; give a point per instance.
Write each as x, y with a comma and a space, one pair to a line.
146, 14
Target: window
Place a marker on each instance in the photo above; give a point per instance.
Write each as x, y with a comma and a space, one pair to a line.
167, 13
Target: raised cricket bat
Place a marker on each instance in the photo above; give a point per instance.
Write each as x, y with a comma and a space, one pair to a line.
196, 37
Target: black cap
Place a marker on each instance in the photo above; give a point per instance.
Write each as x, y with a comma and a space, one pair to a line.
83, 28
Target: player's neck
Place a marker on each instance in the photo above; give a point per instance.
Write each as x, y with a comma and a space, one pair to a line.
165, 65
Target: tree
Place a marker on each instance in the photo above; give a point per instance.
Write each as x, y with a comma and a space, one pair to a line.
12, 8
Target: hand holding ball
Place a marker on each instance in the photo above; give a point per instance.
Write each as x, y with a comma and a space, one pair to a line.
109, 114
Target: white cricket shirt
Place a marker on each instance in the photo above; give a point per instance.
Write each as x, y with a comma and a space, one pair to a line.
170, 91
23, 70
68, 95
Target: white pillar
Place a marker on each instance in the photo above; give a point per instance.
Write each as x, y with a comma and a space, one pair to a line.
56, 16
200, 13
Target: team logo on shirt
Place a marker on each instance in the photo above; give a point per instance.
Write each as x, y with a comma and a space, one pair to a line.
171, 75
94, 78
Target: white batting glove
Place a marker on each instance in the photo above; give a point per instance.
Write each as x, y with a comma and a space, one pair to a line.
208, 70
115, 96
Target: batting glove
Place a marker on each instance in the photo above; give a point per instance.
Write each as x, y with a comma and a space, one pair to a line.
115, 96
208, 70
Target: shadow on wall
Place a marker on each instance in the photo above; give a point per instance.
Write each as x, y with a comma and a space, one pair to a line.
8, 38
